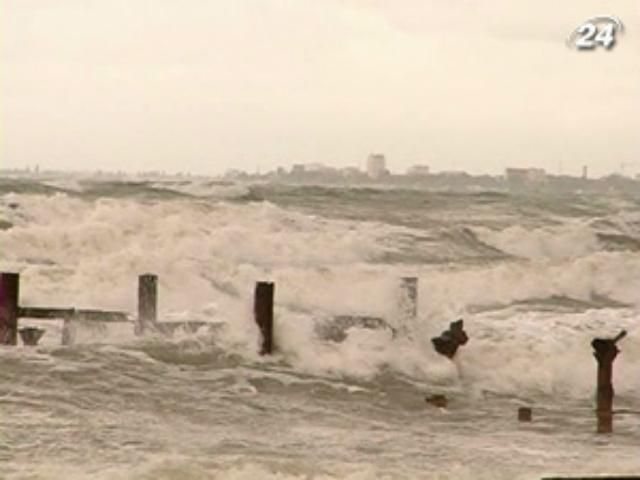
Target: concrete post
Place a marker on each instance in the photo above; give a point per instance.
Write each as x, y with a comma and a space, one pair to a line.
147, 302
9, 298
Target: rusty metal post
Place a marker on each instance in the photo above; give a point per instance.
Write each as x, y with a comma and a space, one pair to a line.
263, 313
606, 352
147, 302
9, 298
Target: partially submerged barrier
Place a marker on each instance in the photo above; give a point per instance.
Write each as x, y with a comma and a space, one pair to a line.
447, 344
146, 321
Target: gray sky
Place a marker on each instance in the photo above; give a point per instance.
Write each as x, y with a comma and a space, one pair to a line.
207, 85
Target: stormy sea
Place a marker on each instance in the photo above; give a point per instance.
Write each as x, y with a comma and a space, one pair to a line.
535, 276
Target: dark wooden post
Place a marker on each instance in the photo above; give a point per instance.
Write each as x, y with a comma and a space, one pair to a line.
9, 297
263, 313
606, 352
147, 302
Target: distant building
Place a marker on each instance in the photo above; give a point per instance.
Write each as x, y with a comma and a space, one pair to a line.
418, 171
453, 173
231, 174
297, 169
525, 175
376, 166
316, 167
350, 172
301, 168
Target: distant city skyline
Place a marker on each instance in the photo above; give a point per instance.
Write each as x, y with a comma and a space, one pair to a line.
213, 85
417, 170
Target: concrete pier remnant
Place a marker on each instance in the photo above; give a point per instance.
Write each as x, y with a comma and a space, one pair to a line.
449, 341
9, 309
605, 352
263, 313
147, 302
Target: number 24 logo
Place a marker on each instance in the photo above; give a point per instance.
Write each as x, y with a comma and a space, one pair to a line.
590, 36
597, 31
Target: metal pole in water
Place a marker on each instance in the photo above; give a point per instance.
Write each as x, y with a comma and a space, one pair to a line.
263, 314
9, 297
147, 302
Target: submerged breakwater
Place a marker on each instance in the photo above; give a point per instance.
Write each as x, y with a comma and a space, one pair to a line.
535, 278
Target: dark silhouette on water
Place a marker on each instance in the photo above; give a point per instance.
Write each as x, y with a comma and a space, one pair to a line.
437, 400
606, 352
31, 336
448, 342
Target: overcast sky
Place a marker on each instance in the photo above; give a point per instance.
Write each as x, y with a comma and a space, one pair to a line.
208, 85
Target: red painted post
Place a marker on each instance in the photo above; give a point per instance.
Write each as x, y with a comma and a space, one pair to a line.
263, 313
9, 297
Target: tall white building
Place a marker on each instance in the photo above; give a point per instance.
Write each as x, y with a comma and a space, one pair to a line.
376, 165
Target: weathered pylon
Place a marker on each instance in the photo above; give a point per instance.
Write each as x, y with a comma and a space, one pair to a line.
263, 313
147, 303
606, 352
9, 308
